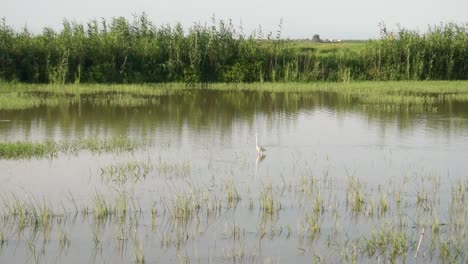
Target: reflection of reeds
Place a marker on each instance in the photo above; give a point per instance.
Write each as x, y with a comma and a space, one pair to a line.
32, 250
63, 238
2, 238
138, 250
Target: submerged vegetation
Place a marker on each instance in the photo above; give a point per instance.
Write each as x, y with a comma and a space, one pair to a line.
122, 51
330, 216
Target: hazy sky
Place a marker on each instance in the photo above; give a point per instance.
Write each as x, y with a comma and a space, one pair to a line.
356, 19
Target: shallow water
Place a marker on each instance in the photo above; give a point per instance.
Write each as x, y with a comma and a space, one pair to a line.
201, 145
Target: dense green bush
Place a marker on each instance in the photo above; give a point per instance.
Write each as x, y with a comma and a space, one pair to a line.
439, 54
122, 51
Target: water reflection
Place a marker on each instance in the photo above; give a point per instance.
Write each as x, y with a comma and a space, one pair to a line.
259, 159
215, 112
202, 159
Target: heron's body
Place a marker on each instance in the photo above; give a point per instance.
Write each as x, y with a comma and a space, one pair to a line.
260, 149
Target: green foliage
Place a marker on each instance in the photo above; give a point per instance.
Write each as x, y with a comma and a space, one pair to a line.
50, 149
123, 51
439, 54
17, 150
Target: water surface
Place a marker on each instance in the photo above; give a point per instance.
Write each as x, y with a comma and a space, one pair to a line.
205, 140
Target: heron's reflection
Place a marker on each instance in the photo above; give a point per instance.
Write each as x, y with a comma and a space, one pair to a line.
260, 158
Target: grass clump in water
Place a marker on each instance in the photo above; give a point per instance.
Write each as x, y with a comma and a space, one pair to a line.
114, 144
122, 172
168, 169
26, 150
268, 202
16, 101
312, 225
355, 195
50, 149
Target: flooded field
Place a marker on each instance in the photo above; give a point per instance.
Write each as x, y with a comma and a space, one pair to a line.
176, 178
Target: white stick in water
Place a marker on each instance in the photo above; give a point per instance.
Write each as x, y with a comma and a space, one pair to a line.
419, 243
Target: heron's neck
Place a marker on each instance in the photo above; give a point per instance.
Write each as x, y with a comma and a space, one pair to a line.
256, 143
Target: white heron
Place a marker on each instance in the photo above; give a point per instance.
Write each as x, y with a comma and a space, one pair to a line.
260, 149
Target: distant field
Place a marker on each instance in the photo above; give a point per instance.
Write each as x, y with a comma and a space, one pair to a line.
327, 47
303, 45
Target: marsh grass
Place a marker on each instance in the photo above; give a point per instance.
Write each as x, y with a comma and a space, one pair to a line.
96, 145
27, 96
232, 194
116, 207
173, 169
185, 207
102, 209
29, 212
125, 51
344, 221
269, 204
404, 96
25, 150
126, 171
50, 149
15, 101
355, 197
385, 241
312, 225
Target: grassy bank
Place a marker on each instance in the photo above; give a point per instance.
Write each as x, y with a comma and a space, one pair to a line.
433, 87
122, 51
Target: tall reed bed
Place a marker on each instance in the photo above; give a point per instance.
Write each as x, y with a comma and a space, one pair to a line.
439, 54
137, 51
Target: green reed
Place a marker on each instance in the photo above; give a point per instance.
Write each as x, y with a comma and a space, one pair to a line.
138, 51
50, 149
389, 237
126, 171
24, 150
